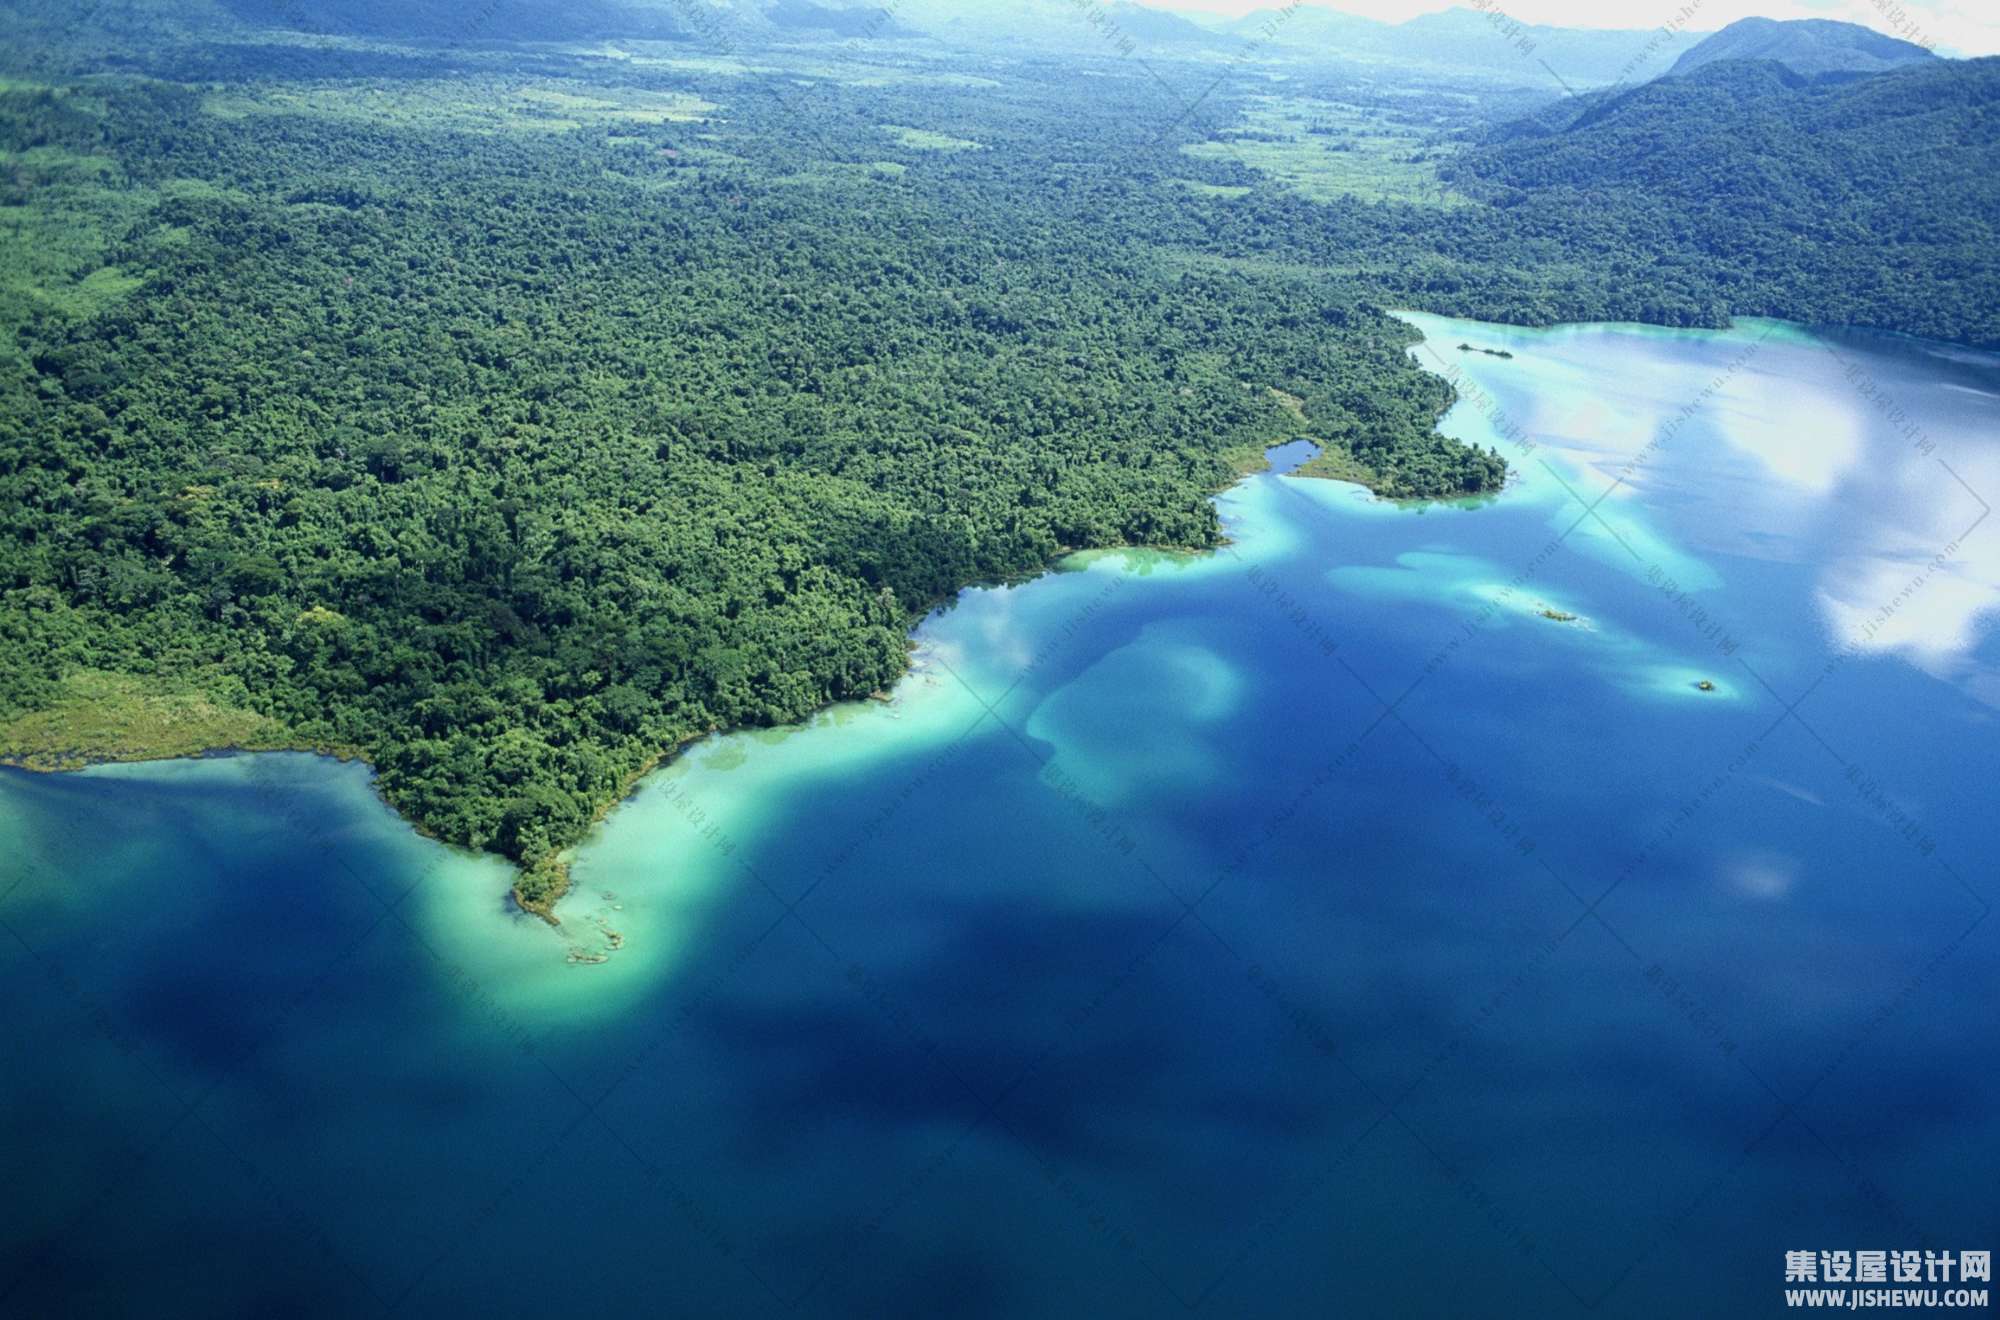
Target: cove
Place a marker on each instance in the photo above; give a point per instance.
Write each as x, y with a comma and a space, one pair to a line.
1314, 924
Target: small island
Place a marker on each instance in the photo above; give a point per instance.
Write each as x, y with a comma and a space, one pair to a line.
1559, 616
1704, 686
1489, 352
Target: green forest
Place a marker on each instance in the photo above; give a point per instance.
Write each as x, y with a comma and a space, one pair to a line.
510, 417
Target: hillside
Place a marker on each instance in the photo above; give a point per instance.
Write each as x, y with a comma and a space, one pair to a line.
1866, 202
1156, 28
836, 20
1808, 46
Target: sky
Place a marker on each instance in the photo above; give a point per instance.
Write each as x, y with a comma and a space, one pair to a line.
1953, 27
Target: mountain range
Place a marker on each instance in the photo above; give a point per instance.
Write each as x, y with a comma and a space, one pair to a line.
1468, 39
1462, 40
1809, 46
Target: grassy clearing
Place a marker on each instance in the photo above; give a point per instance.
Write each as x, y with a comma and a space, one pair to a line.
635, 107
101, 716
1326, 149
913, 78
53, 243
542, 106
922, 139
1335, 464
720, 65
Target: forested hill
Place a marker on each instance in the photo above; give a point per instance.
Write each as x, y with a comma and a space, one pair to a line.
1874, 201
1809, 46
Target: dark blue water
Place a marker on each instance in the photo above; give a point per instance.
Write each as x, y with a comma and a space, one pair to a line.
1309, 928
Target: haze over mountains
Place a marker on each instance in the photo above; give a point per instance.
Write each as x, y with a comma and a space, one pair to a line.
1809, 46
1466, 38
1467, 42
1462, 39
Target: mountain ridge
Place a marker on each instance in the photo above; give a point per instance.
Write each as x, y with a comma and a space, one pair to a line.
1812, 47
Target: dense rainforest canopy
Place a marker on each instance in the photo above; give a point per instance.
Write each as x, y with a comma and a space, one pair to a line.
511, 416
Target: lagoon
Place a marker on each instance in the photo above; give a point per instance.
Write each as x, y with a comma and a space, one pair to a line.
1314, 924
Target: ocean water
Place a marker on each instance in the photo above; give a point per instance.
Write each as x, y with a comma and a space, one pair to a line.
1376, 916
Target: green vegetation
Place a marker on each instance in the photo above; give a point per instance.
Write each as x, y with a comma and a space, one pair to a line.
1324, 150
458, 441
924, 140
1333, 464
1740, 189
511, 419
492, 106
58, 205
1216, 189
96, 716
1809, 46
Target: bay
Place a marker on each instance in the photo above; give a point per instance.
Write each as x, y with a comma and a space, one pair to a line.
1376, 913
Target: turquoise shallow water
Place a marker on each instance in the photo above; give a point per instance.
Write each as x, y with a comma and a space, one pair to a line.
1307, 926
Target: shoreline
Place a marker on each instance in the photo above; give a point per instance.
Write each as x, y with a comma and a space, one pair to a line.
540, 885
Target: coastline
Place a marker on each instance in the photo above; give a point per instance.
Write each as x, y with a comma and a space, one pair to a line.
541, 884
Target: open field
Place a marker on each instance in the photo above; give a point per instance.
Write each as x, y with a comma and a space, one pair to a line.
1327, 149
511, 106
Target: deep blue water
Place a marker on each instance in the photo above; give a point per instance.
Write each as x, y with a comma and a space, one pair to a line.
1308, 928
